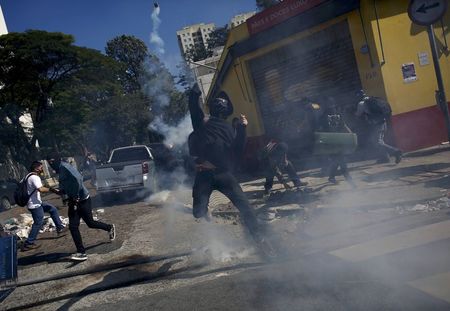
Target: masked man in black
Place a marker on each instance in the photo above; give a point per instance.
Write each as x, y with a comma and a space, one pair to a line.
214, 143
275, 162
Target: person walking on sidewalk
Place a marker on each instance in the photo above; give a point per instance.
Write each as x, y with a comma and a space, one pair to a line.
274, 159
376, 112
37, 207
79, 202
212, 143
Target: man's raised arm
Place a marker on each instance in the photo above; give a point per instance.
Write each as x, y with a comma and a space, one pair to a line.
196, 111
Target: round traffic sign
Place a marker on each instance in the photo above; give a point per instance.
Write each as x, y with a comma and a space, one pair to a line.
426, 12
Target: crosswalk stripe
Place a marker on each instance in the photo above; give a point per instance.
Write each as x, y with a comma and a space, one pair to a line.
435, 285
396, 242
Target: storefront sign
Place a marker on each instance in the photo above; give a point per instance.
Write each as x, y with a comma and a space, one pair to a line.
279, 13
409, 72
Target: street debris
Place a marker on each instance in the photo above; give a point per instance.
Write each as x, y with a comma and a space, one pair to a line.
430, 206
21, 227
267, 216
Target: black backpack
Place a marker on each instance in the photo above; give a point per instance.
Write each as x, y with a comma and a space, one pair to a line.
379, 107
21, 195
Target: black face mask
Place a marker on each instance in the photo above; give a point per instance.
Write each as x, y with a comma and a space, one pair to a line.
220, 108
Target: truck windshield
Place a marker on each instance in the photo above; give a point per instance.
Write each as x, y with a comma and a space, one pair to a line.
130, 154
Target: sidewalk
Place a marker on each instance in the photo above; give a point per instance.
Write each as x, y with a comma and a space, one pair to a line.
421, 176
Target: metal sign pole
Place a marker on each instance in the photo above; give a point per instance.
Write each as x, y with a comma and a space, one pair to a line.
426, 13
441, 98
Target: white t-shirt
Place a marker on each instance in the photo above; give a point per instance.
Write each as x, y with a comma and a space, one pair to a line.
34, 182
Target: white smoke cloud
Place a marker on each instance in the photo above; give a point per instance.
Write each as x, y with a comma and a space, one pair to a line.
174, 135
155, 39
158, 85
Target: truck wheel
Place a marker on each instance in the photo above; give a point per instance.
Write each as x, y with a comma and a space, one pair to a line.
5, 204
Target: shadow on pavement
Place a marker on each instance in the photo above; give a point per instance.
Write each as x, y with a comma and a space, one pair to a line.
114, 280
443, 182
128, 261
405, 171
428, 152
117, 279
42, 257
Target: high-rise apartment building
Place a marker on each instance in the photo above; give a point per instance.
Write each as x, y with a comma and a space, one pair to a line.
239, 19
194, 35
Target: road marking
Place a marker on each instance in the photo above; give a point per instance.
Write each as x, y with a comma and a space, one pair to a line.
396, 242
435, 285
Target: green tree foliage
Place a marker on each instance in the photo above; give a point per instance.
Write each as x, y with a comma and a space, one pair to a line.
265, 4
218, 37
70, 122
121, 121
32, 65
80, 100
132, 53
185, 78
197, 53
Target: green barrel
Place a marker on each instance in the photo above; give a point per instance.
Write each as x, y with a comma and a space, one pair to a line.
334, 143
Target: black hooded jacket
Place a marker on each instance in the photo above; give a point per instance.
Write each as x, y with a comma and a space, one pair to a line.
214, 140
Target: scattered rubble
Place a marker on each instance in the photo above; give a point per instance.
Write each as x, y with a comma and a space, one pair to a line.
21, 227
267, 216
430, 206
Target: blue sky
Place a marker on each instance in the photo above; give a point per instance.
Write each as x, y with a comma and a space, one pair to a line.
94, 22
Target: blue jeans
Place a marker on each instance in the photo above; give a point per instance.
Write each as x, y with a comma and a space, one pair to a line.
38, 220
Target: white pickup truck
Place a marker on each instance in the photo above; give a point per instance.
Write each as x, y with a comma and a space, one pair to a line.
128, 169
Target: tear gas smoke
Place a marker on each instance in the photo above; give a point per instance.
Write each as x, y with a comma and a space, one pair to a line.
174, 135
154, 36
219, 247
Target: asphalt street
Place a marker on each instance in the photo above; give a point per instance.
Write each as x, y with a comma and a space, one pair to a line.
370, 248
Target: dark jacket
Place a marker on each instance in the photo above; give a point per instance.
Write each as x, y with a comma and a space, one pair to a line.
71, 182
214, 140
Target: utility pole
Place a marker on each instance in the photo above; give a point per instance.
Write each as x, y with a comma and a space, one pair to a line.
426, 13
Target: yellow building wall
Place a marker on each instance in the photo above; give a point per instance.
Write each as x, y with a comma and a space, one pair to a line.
237, 86
362, 37
238, 83
402, 42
